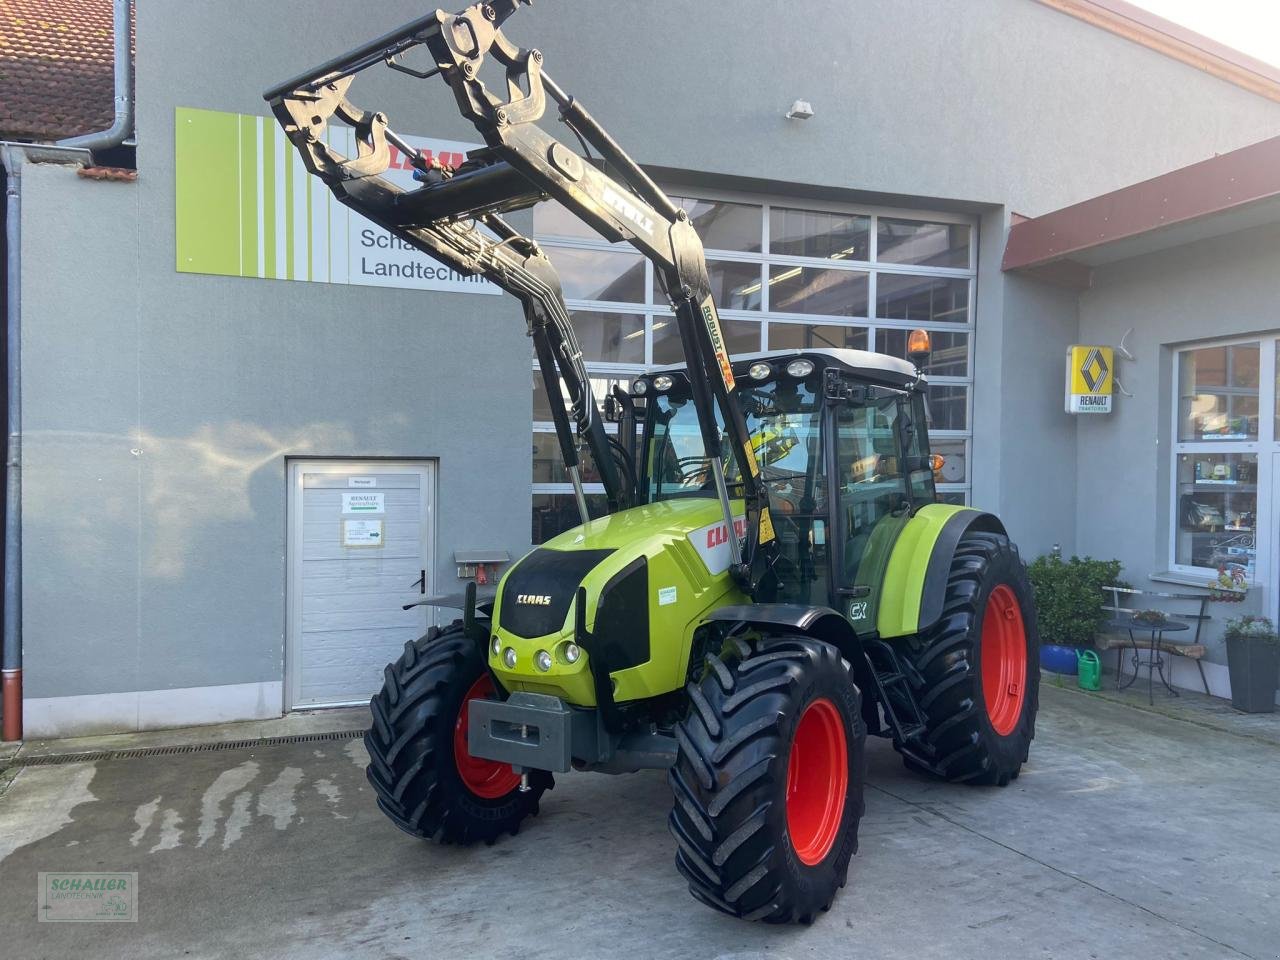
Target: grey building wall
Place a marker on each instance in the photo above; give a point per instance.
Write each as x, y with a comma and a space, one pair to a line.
1212, 289
161, 406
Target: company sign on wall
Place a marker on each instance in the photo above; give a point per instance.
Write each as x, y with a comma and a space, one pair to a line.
1090, 374
246, 207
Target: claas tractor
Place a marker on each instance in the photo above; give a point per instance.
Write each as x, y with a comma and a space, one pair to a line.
774, 579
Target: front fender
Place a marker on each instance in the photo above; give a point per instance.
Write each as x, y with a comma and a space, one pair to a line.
915, 580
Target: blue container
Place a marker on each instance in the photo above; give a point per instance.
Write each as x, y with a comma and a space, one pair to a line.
1058, 659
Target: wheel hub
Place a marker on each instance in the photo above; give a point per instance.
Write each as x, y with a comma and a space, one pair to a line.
817, 781
488, 779
1004, 659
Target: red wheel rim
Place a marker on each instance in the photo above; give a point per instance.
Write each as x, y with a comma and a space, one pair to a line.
1004, 659
817, 781
487, 779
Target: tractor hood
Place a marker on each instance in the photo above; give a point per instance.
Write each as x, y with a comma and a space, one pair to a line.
650, 573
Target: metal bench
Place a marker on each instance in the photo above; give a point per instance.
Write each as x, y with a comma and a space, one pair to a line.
1195, 650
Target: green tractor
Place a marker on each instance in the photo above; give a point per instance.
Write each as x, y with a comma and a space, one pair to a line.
774, 579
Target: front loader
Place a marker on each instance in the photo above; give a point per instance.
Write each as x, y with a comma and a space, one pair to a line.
774, 579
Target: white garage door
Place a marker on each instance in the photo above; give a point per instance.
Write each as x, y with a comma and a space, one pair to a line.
359, 538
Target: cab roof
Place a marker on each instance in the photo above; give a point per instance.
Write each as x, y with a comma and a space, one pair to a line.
864, 363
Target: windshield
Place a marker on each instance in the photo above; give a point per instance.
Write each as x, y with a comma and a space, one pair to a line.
783, 420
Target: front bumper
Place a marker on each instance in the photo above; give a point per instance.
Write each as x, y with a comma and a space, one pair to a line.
533, 731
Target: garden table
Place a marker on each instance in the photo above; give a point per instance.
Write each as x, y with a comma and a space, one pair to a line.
1155, 662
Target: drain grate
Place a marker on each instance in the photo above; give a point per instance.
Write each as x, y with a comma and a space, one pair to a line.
97, 755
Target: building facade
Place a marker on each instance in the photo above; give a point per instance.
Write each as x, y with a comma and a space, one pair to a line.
251, 433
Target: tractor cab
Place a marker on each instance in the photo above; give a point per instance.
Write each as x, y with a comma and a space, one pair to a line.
841, 440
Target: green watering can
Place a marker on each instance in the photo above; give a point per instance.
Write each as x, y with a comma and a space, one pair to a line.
1089, 674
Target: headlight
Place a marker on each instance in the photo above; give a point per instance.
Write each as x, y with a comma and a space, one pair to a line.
542, 660
639, 388
572, 652
759, 371
663, 382
496, 646
800, 368
509, 658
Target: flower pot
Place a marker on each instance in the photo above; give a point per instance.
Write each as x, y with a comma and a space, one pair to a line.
1254, 666
1057, 659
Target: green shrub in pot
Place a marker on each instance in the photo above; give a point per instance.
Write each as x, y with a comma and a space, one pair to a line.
1253, 661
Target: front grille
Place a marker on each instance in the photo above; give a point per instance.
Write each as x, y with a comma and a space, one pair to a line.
539, 590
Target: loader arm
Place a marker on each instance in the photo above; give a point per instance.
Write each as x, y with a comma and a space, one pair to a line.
522, 165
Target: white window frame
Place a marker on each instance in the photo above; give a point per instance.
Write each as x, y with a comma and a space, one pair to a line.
1264, 449
652, 310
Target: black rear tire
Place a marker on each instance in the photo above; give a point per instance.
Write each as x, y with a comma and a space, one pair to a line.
949, 665
413, 768
730, 780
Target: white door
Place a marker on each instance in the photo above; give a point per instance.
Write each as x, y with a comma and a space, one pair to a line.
360, 543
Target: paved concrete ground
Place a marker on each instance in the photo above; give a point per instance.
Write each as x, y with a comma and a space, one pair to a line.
1130, 835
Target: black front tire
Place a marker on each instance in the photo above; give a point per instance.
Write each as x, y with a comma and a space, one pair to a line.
949, 667
730, 780
412, 764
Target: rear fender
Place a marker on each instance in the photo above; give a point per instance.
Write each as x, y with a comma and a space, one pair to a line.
915, 581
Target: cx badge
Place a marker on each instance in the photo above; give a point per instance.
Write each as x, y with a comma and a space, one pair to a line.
1089, 379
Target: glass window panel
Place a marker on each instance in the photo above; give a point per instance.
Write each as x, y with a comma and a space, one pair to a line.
948, 405
600, 387
551, 219
916, 241
811, 233
948, 358
735, 286
554, 513
599, 274
740, 336
1217, 511
835, 293
958, 498
921, 299
548, 465
610, 337
725, 226
1218, 393
806, 336
955, 461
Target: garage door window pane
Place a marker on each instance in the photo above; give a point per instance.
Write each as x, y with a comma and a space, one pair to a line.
599, 274
955, 463
610, 337
810, 233
947, 407
551, 219
548, 465
740, 336
920, 242
949, 357
601, 387
725, 226
922, 299
806, 336
734, 286
834, 293
1218, 393
554, 513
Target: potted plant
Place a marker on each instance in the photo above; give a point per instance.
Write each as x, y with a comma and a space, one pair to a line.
1229, 586
1069, 606
1253, 660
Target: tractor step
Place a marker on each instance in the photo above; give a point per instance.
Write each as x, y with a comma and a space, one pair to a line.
893, 685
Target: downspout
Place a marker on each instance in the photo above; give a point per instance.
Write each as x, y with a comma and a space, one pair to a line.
11, 653
122, 125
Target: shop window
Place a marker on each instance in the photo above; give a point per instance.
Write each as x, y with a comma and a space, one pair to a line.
740, 336
921, 299
1218, 393
1217, 511
833, 293
948, 358
813, 233
810, 336
919, 242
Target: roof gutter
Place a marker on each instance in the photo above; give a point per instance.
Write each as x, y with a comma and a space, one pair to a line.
122, 126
